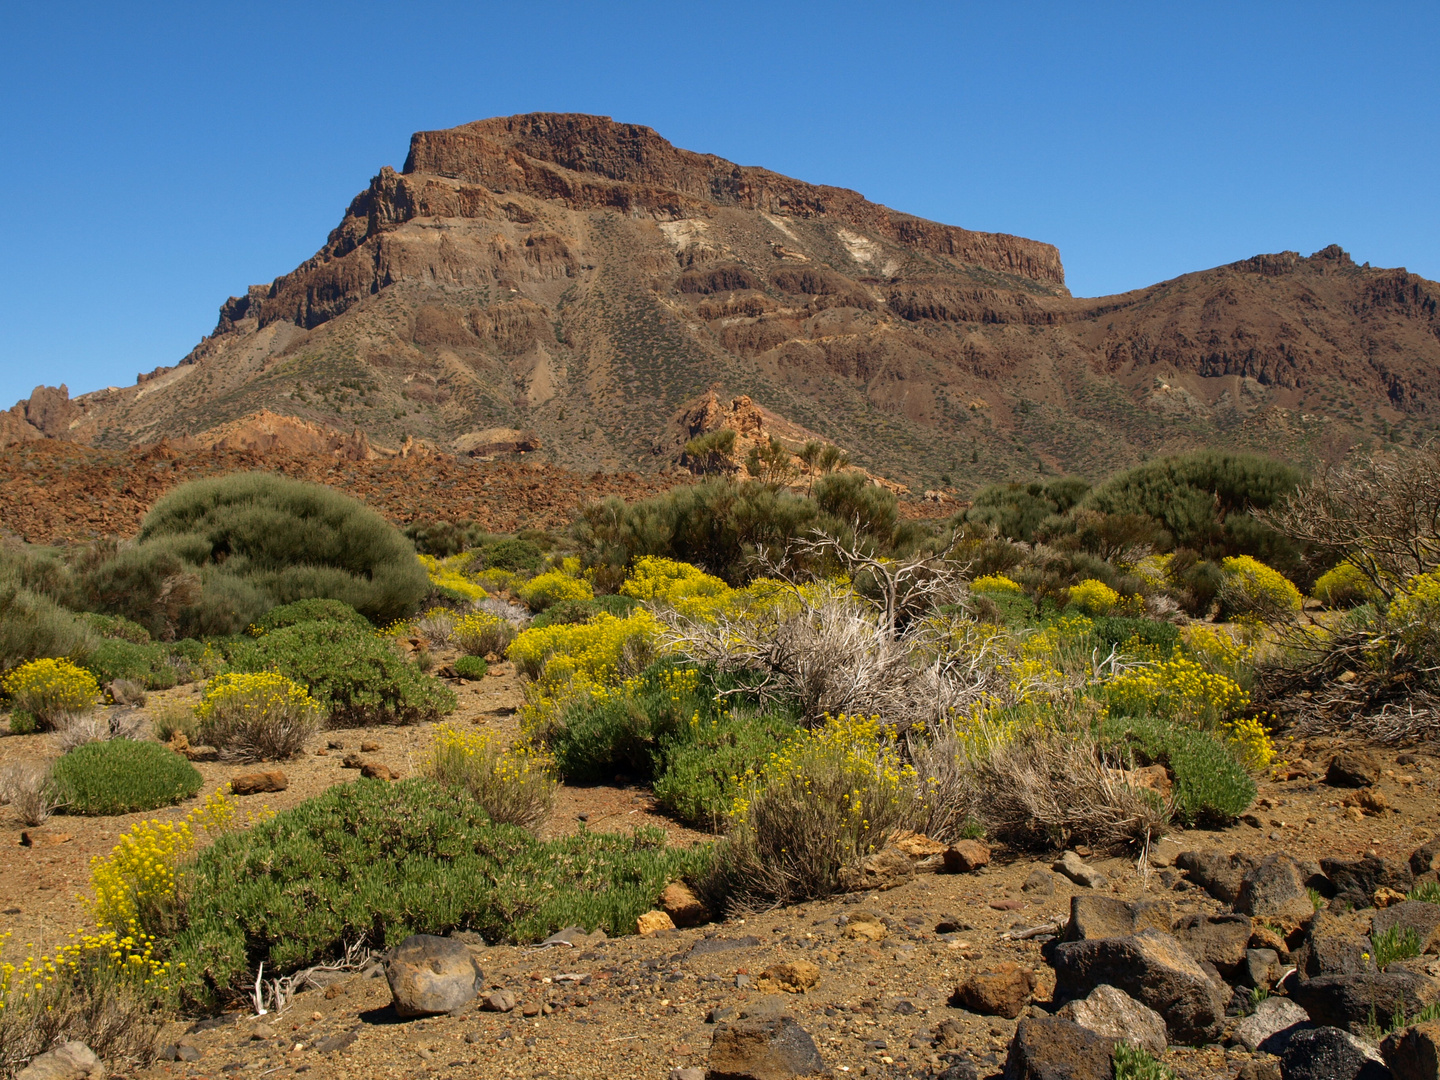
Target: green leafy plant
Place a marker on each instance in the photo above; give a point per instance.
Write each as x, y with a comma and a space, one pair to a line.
1210, 784
312, 610
1395, 943
373, 862
471, 667
1133, 1063
1428, 891
122, 776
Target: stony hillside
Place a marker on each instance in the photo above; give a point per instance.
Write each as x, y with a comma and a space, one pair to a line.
570, 286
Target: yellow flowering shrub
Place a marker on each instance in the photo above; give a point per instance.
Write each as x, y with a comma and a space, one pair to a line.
822, 802
1415, 615
687, 589
138, 888
1178, 688
548, 589
515, 785
1153, 570
994, 583
1249, 587
1344, 586
571, 660
449, 575
1218, 649
48, 687
89, 971
254, 716
480, 632
1250, 742
1093, 597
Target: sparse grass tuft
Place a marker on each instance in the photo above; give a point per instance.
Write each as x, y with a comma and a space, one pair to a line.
515, 786
1133, 1063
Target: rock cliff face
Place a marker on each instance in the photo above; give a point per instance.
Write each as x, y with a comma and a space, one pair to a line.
578, 281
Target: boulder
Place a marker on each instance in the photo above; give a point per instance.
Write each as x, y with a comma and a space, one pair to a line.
679, 901
863, 926
1353, 769
652, 922
1416, 915
1270, 1018
499, 1001
777, 1049
789, 976
966, 856
378, 770
1335, 944
1155, 970
1327, 1053
1002, 991
1093, 917
1425, 859
1039, 883
1261, 968
1214, 871
429, 974
68, 1061
883, 869
258, 783
1356, 880
1076, 869
1114, 1014
1221, 940
1052, 1048
1352, 1001
1413, 1053
1275, 889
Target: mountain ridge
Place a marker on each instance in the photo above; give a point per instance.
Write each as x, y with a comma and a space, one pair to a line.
584, 281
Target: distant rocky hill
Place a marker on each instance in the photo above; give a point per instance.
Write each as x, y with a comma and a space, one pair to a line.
574, 288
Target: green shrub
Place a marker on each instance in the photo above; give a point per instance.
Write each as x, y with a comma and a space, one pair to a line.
33, 626
214, 555
1395, 943
1211, 787
1117, 630
354, 675
1428, 891
312, 610
566, 613
373, 862
701, 764
117, 658
122, 776
117, 627
1016, 511
517, 556
471, 667
851, 497
1132, 1063
175, 718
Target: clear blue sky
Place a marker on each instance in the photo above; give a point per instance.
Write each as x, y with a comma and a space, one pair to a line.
160, 157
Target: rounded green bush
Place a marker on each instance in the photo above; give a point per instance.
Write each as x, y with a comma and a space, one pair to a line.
471, 667
313, 610
123, 776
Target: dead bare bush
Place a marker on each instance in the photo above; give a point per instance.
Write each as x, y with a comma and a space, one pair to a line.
1381, 514
106, 1015
28, 788
126, 692
69, 730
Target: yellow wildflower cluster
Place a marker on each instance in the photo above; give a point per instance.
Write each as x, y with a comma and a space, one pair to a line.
1251, 743
1093, 597
1344, 586
47, 687
38, 982
480, 632
1252, 587
1177, 688
449, 574
1415, 614
516, 784
994, 583
687, 589
137, 886
255, 694
1217, 649
1153, 570
553, 587
575, 659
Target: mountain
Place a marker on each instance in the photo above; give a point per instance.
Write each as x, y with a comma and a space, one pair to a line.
572, 286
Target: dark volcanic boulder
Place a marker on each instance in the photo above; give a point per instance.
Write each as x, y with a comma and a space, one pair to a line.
775, 1049
1214, 871
1050, 1048
429, 974
1327, 1053
1355, 1001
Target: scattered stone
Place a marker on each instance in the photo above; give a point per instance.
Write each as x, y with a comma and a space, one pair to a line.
334, 1043
351, 760
1353, 769
652, 922
1372, 801
789, 976
499, 1001
1040, 883
429, 974
1425, 859
1259, 1069
863, 926
370, 747
1002, 991
706, 946
1327, 1053
335, 744
259, 783
1336, 944
1221, 940
1413, 1053
1155, 970
690, 1073
1114, 1014
1076, 869
721, 1014
966, 856
1214, 871
1154, 778
763, 1050
1052, 1048
375, 770
322, 752
1416, 915
31, 838
949, 924
1350, 1001
68, 1061
916, 845
1093, 917
201, 753
679, 901
1271, 1016
1356, 880
881, 870
1275, 889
